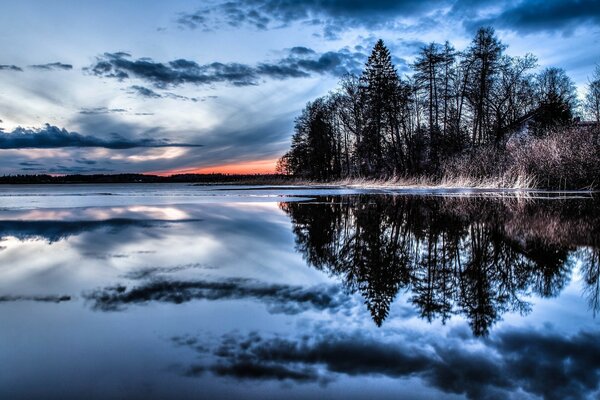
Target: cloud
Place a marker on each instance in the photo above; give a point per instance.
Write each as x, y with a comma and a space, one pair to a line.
85, 161
30, 164
70, 170
4, 67
51, 137
514, 363
332, 15
43, 299
299, 62
336, 16
542, 15
101, 110
52, 66
55, 230
143, 91
153, 272
278, 298
120, 66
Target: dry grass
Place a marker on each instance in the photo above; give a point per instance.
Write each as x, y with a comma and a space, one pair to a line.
518, 182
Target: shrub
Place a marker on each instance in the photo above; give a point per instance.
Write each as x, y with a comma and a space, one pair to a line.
567, 158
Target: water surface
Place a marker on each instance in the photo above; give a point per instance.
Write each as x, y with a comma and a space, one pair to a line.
176, 291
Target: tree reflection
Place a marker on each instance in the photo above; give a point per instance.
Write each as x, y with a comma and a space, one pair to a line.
478, 257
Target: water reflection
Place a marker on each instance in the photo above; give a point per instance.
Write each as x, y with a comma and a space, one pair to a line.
54, 231
279, 298
477, 257
231, 300
54, 225
522, 363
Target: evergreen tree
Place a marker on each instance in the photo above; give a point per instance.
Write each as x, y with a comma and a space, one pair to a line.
379, 90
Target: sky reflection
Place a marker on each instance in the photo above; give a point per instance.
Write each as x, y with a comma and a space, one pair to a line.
337, 297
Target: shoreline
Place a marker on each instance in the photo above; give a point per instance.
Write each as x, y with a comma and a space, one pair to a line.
360, 188
275, 181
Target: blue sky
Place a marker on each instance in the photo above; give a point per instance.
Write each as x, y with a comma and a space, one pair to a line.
135, 78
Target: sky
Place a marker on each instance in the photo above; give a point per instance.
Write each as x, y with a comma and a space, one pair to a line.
214, 86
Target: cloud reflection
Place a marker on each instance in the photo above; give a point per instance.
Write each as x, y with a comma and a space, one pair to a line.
54, 231
42, 299
278, 298
511, 364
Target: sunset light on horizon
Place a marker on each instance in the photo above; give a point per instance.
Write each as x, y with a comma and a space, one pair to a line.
261, 167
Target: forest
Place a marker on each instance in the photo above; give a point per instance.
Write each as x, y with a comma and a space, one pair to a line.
475, 114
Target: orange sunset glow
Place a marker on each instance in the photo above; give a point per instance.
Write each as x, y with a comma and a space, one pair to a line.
245, 167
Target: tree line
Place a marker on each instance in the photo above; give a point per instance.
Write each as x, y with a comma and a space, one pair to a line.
380, 124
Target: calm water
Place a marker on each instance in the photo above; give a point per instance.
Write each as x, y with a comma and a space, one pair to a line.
175, 291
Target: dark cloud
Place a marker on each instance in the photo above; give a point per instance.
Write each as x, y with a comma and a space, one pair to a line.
43, 299
30, 164
51, 137
302, 51
85, 161
52, 66
120, 66
71, 170
333, 15
336, 16
149, 93
144, 91
551, 365
249, 370
514, 363
542, 15
278, 298
153, 272
298, 63
54, 230
4, 67
101, 110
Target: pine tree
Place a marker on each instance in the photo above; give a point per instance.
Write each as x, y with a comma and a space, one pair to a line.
379, 85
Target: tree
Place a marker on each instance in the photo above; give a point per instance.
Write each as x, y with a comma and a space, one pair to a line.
512, 96
557, 100
314, 152
428, 69
481, 65
379, 140
350, 112
592, 97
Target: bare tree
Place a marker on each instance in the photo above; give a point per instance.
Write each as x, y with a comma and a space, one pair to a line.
592, 97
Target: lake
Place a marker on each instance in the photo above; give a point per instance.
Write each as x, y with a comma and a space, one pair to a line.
189, 292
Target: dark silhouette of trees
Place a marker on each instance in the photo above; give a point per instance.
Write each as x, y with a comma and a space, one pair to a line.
557, 99
592, 97
481, 65
454, 106
377, 143
315, 145
478, 258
